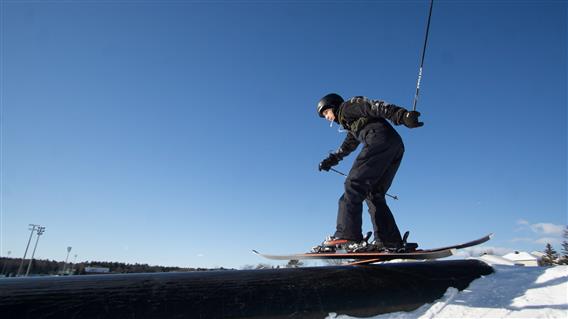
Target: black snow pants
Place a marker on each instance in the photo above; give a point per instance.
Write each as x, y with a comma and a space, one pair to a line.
369, 180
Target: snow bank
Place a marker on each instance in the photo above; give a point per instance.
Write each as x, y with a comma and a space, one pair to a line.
511, 292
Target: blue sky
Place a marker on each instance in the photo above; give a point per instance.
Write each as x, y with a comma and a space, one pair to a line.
185, 133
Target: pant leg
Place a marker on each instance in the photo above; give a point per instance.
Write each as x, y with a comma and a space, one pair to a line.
368, 168
384, 224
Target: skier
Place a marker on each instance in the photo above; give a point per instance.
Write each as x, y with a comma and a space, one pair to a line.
373, 170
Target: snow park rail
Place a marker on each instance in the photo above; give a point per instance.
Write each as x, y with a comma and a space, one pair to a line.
312, 292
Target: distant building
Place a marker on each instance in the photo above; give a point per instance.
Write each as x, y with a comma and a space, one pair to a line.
97, 270
522, 258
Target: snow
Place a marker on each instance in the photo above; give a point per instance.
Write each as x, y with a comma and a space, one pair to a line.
493, 260
510, 292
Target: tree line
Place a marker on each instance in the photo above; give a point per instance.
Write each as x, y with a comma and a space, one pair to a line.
10, 267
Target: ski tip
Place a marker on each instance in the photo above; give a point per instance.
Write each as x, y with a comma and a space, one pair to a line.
256, 252
491, 235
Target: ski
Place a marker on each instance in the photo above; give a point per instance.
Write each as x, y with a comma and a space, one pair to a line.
361, 258
425, 256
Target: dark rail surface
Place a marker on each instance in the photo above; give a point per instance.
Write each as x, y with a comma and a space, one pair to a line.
272, 293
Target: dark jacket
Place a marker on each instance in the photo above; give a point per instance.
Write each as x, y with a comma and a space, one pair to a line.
360, 115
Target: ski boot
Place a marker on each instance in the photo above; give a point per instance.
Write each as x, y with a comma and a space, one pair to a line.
377, 246
397, 247
332, 244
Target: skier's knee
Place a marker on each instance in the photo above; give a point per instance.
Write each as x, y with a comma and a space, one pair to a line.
377, 197
355, 190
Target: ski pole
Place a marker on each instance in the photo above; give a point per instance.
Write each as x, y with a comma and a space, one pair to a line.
341, 173
422, 58
338, 172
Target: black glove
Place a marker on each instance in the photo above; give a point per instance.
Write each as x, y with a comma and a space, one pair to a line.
410, 119
329, 162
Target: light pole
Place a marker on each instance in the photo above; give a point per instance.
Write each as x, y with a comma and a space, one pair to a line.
66, 258
40, 230
28, 246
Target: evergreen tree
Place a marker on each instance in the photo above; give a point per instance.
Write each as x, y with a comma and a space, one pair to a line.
550, 256
564, 257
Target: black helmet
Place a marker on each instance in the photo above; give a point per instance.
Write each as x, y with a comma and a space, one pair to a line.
331, 100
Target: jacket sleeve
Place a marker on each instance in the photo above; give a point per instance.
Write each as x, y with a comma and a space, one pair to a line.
349, 145
364, 107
